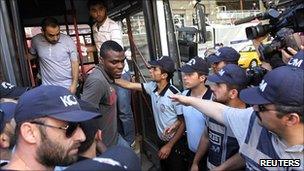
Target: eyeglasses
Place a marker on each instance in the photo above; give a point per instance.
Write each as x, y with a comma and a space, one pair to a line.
262, 108
70, 128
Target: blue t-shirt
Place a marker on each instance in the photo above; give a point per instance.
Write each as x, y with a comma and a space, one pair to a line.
195, 121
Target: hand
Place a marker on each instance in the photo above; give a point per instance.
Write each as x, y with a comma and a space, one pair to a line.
171, 130
286, 56
194, 167
165, 151
73, 89
181, 99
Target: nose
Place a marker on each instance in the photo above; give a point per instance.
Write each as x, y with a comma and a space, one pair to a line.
79, 135
121, 65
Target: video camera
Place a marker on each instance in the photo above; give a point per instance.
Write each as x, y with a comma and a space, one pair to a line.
285, 18
287, 13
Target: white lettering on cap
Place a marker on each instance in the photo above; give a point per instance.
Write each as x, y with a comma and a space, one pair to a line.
296, 62
160, 58
107, 161
221, 72
7, 85
217, 53
68, 100
263, 85
191, 62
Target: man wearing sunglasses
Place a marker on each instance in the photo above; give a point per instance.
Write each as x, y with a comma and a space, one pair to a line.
271, 134
48, 133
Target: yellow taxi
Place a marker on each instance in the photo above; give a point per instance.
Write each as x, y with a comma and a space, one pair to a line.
249, 57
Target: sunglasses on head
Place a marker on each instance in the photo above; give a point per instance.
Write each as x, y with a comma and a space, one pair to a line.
70, 128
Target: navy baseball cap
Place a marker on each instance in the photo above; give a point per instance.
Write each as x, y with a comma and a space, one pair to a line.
50, 101
165, 62
196, 64
231, 74
297, 60
115, 158
283, 85
227, 54
8, 90
7, 110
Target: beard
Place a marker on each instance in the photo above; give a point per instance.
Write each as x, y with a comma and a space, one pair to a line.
52, 154
222, 100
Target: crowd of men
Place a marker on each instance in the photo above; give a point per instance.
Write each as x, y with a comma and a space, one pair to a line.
218, 122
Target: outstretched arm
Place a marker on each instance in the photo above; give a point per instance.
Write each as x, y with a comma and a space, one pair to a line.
235, 162
128, 85
212, 109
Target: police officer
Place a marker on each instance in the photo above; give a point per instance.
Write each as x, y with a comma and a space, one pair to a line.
271, 133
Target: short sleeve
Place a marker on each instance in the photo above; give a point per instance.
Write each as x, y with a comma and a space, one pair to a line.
116, 34
72, 49
33, 50
93, 91
178, 108
149, 87
238, 120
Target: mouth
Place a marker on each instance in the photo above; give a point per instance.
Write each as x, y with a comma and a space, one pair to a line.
74, 148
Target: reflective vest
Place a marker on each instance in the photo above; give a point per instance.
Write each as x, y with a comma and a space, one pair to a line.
222, 143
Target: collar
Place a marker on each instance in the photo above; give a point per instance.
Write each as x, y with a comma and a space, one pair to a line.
207, 94
103, 25
100, 67
292, 149
162, 93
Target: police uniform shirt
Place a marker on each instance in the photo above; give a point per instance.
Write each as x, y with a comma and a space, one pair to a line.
165, 111
194, 121
257, 143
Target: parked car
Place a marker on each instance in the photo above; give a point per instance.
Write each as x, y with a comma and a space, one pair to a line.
249, 57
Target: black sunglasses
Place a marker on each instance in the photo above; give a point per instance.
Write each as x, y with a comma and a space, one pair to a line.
70, 128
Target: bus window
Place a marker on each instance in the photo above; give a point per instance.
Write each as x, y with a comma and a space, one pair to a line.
140, 39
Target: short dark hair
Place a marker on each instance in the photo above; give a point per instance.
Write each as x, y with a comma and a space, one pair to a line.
109, 45
237, 87
284, 110
97, 2
49, 21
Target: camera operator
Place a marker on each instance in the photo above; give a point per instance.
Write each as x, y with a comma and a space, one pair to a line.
271, 133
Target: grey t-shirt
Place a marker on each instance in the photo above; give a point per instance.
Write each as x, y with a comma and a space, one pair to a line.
55, 59
99, 90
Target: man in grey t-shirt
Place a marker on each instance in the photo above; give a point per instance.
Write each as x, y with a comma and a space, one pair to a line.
99, 90
57, 54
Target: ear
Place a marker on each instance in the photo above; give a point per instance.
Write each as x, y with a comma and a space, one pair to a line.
233, 94
202, 78
29, 133
164, 75
101, 60
99, 135
292, 119
4, 143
